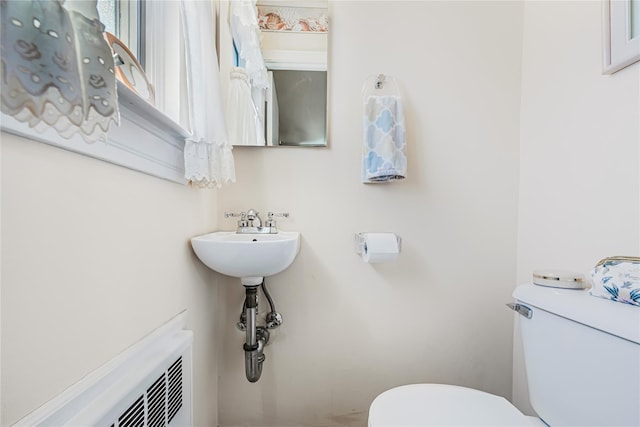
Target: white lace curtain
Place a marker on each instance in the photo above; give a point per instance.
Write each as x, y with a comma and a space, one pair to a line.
57, 69
207, 154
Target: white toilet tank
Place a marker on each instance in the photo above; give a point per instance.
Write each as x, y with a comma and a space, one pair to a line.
582, 357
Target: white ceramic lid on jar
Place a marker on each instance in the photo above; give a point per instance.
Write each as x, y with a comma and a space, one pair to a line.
559, 279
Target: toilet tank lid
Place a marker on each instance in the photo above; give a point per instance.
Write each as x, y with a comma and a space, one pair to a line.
442, 404
621, 320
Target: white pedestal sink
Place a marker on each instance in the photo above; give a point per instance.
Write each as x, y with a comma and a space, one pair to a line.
249, 257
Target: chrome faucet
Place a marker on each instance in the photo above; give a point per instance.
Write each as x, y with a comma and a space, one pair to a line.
251, 223
254, 219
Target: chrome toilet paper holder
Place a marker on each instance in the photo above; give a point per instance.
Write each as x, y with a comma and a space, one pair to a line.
359, 242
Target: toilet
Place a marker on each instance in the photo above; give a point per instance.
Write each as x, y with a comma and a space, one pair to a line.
582, 358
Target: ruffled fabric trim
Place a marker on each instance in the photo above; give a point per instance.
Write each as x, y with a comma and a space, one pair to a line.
93, 128
57, 69
208, 164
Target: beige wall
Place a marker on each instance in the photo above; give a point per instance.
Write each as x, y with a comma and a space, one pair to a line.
579, 150
94, 256
352, 329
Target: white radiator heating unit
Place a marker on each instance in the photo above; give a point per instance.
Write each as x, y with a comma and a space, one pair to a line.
149, 385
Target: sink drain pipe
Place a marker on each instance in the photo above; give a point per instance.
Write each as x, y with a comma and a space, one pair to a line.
256, 337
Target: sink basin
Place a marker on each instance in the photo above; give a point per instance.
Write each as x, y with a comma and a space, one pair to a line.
247, 256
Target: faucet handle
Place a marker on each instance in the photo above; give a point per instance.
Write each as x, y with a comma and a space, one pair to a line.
242, 222
271, 222
242, 215
272, 215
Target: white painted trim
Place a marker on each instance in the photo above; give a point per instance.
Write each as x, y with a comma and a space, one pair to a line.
619, 49
272, 113
146, 140
129, 31
98, 397
155, 49
276, 59
316, 4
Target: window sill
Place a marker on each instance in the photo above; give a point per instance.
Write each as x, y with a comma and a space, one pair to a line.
146, 140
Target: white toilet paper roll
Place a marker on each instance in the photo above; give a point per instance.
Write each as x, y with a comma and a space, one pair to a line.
380, 247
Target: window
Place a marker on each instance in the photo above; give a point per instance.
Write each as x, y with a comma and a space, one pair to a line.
126, 20
621, 20
145, 27
150, 140
634, 11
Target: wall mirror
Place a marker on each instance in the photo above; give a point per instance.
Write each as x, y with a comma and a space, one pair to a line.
294, 45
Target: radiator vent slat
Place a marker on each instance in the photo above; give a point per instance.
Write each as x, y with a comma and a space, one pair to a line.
134, 416
175, 389
162, 401
156, 403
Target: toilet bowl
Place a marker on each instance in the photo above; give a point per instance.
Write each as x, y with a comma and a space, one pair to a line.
570, 339
444, 405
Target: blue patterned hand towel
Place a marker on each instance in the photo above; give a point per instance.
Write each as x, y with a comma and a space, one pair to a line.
385, 147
